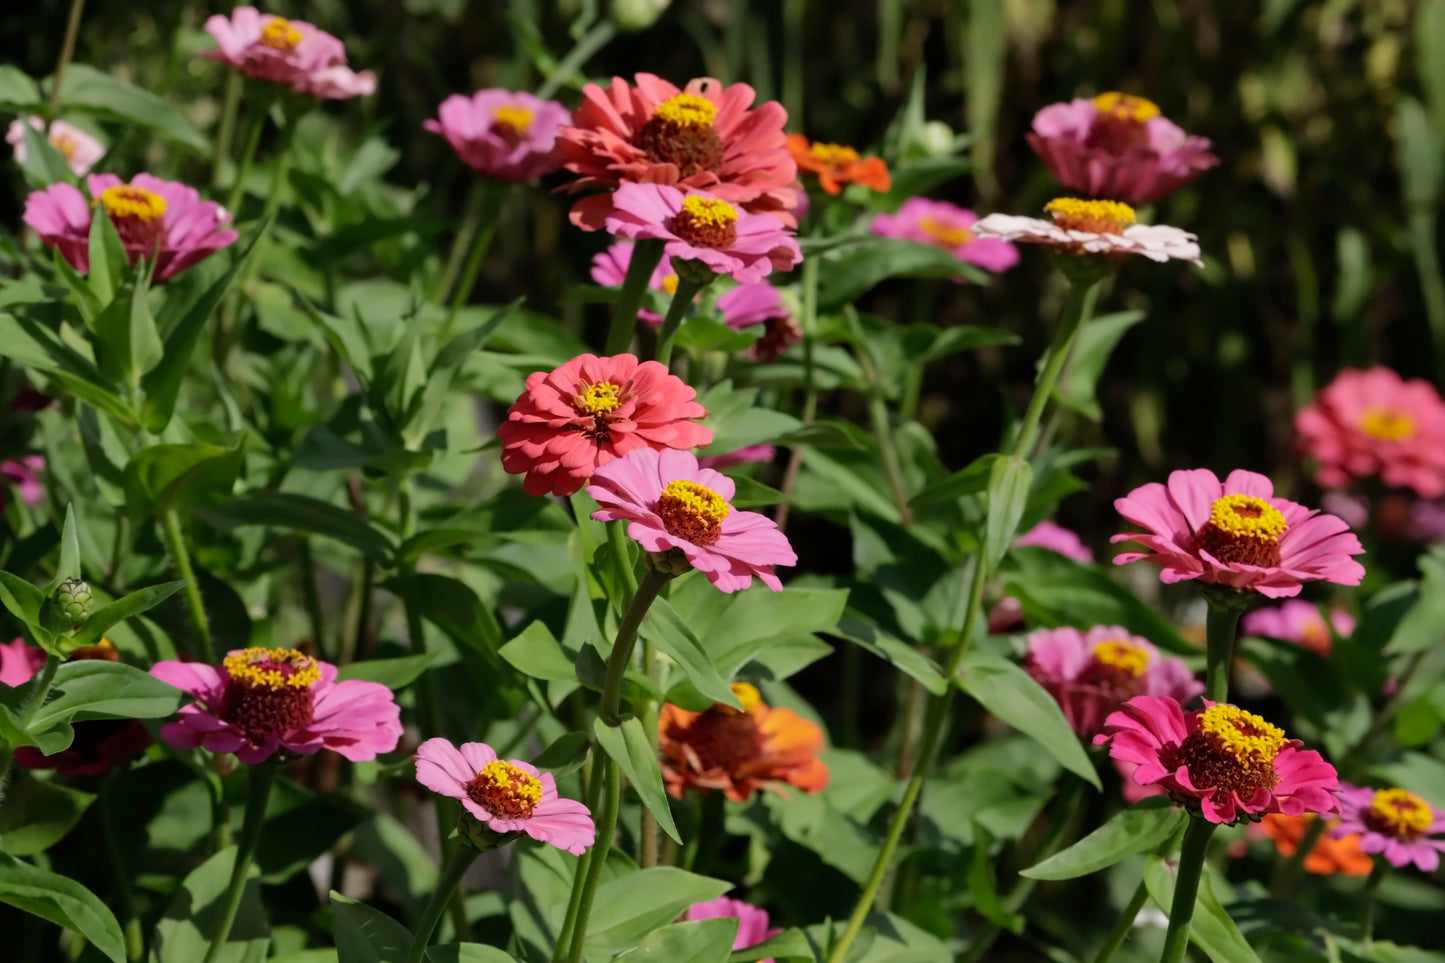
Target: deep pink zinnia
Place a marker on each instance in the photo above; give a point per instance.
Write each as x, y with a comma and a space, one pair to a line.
156, 219
292, 52
609, 269
1375, 423
1091, 674
1056, 538
25, 473
753, 925
1236, 533
947, 226
1232, 762
675, 506
760, 303
573, 420
1300, 622
1395, 822
1117, 146
506, 135
507, 796
706, 137
259, 701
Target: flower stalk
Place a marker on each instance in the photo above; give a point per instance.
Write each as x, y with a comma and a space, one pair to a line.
476, 238
1186, 888
461, 860
1221, 626
259, 780
176, 544
687, 289
646, 256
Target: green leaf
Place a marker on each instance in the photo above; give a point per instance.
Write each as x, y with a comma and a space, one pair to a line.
564, 754
306, 514
468, 953
395, 673
846, 273
1419, 154
124, 608
62, 901
43, 164
86, 90
1009, 482
634, 904
299, 828
184, 932
1138, 829
18, 93
630, 748
20, 598
96, 689
1211, 929
109, 264
969, 480
701, 941
69, 566
790, 942
1094, 344
671, 634
37, 814
1420, 627
896, 652
981, 885
537, 653
164, 476
1011, 694
366, 935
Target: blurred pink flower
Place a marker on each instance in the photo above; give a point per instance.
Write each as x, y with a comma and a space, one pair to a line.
752, 922
1300, 622
292, 52
947, 226
1117, 146
25, 473
760, 303
1103, 229
1055, 538
19, 661
506, 135
609, 269
1395, 822
80, 150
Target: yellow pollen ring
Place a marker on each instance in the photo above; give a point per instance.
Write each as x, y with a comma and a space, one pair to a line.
1076, 209
1243, 735
697, 500
245, 667
669, 284
512, 780
833, 153
1126, 106
599, 399
687, 110
278, 34
1387, 424
709, 211
1124, 656
748, 695
514, 116
129, 201
945, 234
1404, 812
1247, 516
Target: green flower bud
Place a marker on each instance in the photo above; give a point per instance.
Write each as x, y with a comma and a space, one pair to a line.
697, 272
670, 562
73, 600
630, 15
936, 139
479, 836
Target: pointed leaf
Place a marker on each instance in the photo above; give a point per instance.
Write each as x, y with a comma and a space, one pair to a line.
62, 901
124, 608
630, 748
1009, 482
183, 934
366, 935
1137, 829
96, 689
667, 630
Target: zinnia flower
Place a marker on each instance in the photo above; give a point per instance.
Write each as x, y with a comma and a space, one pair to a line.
1231, 762
1327, 857
573, 420
1102, 228
25, 473
1375, 423
1092, 674
739, 752
1300, 622
760, 303
259, 701
707, 137
753, 925
292, 52
1395, 822
507, 796
80, 150
1119, 146
837, 165
698, 227
506, 135
1236, 533
682, 511
947, 226
609, 269
742, 456
161, 220
1056, 538
19, 661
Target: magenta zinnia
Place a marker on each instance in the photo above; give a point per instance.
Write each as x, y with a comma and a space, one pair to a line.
1394, 822
292, 52
506, 135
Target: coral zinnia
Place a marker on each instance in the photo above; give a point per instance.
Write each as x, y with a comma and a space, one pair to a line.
80, 150
707, 137
739, 752
753, 925
506, 135
292, 52
947, 226
1101, 228
1395, 822
573, 420
1227, 762
1328, 855
678, 509
1117, 145
1236, 533
1300, 622
508, 796
837, 165
760, 303
259, 701
156, 219
1373, 422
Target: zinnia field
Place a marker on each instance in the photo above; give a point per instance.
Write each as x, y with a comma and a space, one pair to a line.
716, 481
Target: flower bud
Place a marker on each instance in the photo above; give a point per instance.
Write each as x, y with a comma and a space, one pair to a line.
479, 836
935, 139
73, 600
670, 562
630, 15
695, 272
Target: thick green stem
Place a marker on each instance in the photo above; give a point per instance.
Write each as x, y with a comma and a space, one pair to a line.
457, 867
176, 545
1123, 925
67, 50
1186, 889
255, 123
882, 423
1368, 900
226, 129
488, 215
1081, 306
1221, 627
594, 40
687, 289
259, 780
646, 255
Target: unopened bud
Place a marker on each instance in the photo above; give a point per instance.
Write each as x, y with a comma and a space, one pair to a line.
74, 600
936, 139
479, 836
632, 15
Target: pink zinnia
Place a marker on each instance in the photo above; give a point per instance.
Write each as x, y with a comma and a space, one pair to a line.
699, 227
1232, 762
1056, 538
571, 421
1091, 674
947, 226
259, 701
507, 796
760, 303
1395, 822
156, 219
742, 456
609, 269
675, 506
707, 137
25, 473
292, 52
753, 925
19, 661
1235, 533
506, 135
80, 150
1375, 423
1117, 146
1300, 622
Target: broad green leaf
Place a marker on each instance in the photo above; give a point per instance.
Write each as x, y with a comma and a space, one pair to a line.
703, 941
1424, 624
632, 751
43, 164
969, 480
108, 267
790, 942
18, 92
164, 476
124, 608
537, 653
37, 814
300, 827
87, 90
564, 754
366, 935
69, 566
980, 884
62, 901
1419, 154
306, 514
848, 272
1008, 494
1094, 344
20, 598
184, 932
634, 904
671, 634
898, 653
96, 689
395, 673
1211, 929
1138, 829
467, 953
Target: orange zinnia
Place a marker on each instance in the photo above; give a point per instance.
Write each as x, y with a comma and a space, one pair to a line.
1328, 856
739, 752
837, 165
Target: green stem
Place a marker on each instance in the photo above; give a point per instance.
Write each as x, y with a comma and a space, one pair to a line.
259, 780
687, 289
809, 323
1123, 925
606, 827
489, 215
125, 896
476, 201
1081, 306
594, 40
1368, 900
311, 596
255, 123
1288, 873
457, 867
67, 50
44, 680
574, 904
1221, 627
1186, 888
176, 545
226, 130
882, 423
646, 255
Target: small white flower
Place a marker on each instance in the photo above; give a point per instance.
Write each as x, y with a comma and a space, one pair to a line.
1094, 227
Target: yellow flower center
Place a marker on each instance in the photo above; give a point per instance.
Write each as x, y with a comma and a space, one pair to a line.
747, 694
278, 34
947, 235
833, 154
65, 143
598, 399
272, 668
1387, 424
1243, 735
669, 284
687, 110
505, 790
706, 222
126, 201
692, 511
1248, 516
1399, 813
1096, 217
1127, 657
513, 118
709, 211
1126, 107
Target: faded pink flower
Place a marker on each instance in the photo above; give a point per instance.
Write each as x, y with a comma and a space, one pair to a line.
1056, 538
743, 456
1101, 229
1300, 622
760, 303
1395, 822
753, 925
19, 660
80, 150
25, 473
506, 135
609, 269
292, 52
947, 226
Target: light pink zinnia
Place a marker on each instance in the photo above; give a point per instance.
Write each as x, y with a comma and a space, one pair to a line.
1091, 674
259, 701
947, 226
675, 506
1095, 229
609, 269
1056, 538
1375, 423
506, 135
706, 137
742, 456
19, 661
760, 303
80, 150
753, 925
1236, 533
25, 473
1300, 622
1117, 146
508, 796
573, 420
1395, 822
1232, 762
292, 52
699, 227
157, 219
